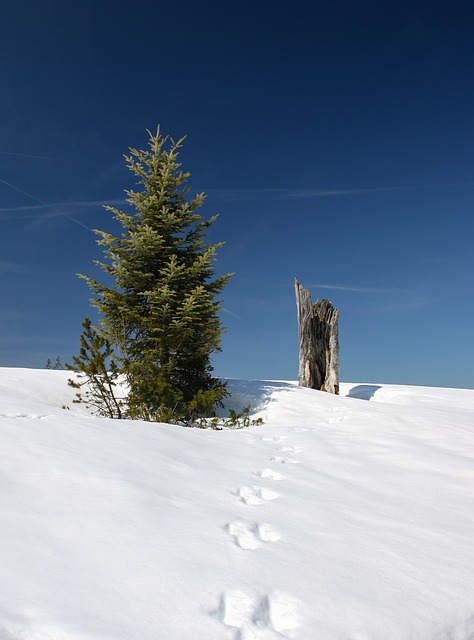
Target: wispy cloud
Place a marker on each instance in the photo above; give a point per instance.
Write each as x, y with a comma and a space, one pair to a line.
53, 210
81, 204
382, 299
387, 299
50, 158
280, 193
284, 193
44, 210
40, 212
231, 313
11, 267
356, 289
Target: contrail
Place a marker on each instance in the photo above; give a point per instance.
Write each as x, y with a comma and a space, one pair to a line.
72, 203
338, 287
283, 193
29, 155
45, 204
231, 313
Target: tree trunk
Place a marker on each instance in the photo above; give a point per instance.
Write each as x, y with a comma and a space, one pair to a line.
318, 342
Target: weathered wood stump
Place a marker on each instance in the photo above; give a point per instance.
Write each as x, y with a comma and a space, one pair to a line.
318, 337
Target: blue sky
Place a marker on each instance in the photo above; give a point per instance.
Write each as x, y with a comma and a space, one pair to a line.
335, 139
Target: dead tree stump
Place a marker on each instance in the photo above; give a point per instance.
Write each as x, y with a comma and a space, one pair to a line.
318, 337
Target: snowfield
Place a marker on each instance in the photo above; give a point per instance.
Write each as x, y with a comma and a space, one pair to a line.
340, 518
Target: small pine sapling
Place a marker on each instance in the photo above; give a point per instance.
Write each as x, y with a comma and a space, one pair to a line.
97, 374
238, 420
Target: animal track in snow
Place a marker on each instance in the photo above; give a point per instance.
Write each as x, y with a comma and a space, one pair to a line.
266, 533
277, 611
291, 449
243, 535
284, 460
249, 536
269, 617
235, 607
256, 495
269, 474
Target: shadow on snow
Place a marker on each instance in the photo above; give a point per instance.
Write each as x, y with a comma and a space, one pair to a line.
363, 391
255, 393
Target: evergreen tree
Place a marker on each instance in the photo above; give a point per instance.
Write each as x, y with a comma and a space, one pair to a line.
98, 373
160, 312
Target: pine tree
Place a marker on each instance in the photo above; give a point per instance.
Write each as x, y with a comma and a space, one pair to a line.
160, 312
98, 373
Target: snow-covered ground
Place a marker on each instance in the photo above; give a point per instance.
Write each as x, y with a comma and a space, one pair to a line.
340, 518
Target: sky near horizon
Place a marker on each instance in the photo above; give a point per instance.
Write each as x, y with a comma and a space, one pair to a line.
335, 140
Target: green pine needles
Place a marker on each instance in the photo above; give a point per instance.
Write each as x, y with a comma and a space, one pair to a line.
99, 374
159, 318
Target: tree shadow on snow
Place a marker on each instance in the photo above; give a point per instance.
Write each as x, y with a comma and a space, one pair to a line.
363, 391
255, 393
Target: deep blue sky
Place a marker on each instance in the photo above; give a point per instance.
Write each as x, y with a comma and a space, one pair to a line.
335, 139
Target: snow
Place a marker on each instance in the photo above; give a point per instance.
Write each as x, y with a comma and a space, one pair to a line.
339, 518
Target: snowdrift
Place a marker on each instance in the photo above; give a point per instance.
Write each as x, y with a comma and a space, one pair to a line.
340, 518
